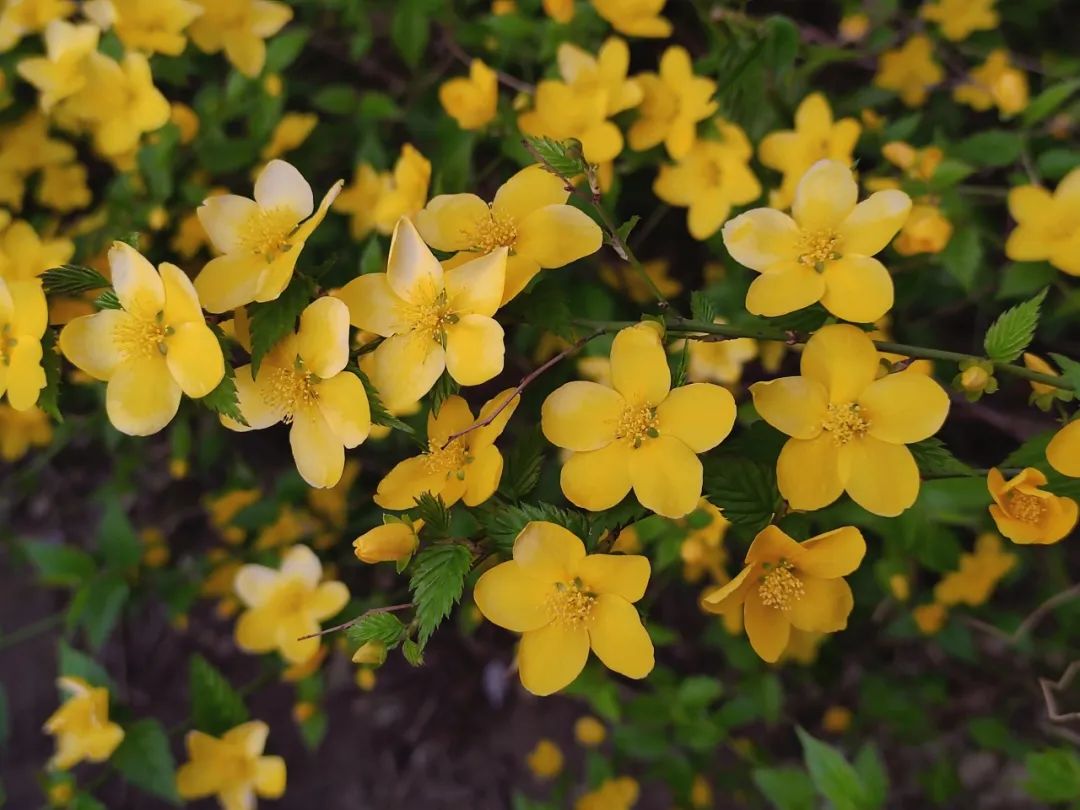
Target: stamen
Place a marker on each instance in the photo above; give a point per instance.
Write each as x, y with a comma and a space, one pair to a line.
818, 247
432, 318
638, 424
1028, 508
139, 338
266, 232
493, 232
780, 588
845, 422
449, 459
570, 605
290, 390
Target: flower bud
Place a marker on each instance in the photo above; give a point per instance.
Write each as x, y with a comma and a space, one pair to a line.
387, 543
372, 653
974, 378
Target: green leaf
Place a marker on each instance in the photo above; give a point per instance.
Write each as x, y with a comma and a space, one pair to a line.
1024, 279
562, 158
875, 779
376, 106
950, 172
963, 256
1048, 101
72, 279
545, 307
744, 490
413, 652
436, 516
702, 308
58, 564
1031, 453
936, 461
216, 706
524, 461
1053, 775
372, 259
108, 300
98, 605
623, 231
410, 29
1014, 330
832, 774
1070, 369
49, 398
992, 147
337, 99
273, 320
786, 788
1053, 164
385, 628
782, 43
224, 399
444, 388
502, 522
84, 801
120, 546
145, 760
283, 49
78, 664
379, 414
437, 580
313, 730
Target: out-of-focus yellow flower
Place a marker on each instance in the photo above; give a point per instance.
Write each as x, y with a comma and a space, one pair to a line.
332, 504
626, 279
918, 164
60, 794
871, 120
366, 678
825, 253
978, 574
155, 551
156, 27
26, 147
995, 83
261, 239
154, 348
930, 618
635, 18
1026, 513
290, 526
674, 100
802, 647
561, 11
377, 201
472, 101
837, 719
232, 768
849, 429
627, 542
186, 120
81, 725
854, 27
640, 433
239, 27
285, 604
620, 793
291, 131
564, 602
589, 731
222, 509
528, 217
303, 710
702, 549
900, 587
21, 17
21, 430
1063, 452
701, 794
391, 542
62, 71
305, 669
64, 188
910, 70
24, 316
1047, 225
816, 137
787, 584
959, 19
718, 361
926, 230
24, 255
545, 760
712, 176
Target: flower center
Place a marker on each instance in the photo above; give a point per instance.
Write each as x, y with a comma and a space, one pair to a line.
290, 597
449, 459
291, 390
1028, 508
817, 247
780, 588
139, 338
493, 232
266, 232
637, 424
845, 422
570, 605
432, 318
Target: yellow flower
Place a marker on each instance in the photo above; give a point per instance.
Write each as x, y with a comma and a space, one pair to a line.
719, 361
900, 587
589, 731
702, 549
393, 541
472, 101
377, 201
918, 164
291, 131
995, 83
239, 27
815, 137
712, 176
186, 121
233, 767
978, 574
1027, 514
958, 19
24, 255
1063, 452
359, 199
803, 647
62, 71
561, 11
63, 188
613, 794
1047, 225
930, 618
910, 70
433, 320
674, 101
545, 760
332, 504
21, 17
261, 239
837, 719
150, 351
81, 725
222, 509
285, 604
302, 381
787, 584
563, 602
849, 428
466, 468
365, 679
926, 231
635, 18
156, 27
826, 252
529, 217
854, 27
604, 74
21, 430
627, 280
639, 433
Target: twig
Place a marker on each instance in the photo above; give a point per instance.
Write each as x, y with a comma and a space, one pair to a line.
351, 622
1051, 688
525, 382
32, 630
504, 78
1047, 607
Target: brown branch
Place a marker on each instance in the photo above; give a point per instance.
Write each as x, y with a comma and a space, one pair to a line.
1047, 607
504, 78
1051, 688
351, 622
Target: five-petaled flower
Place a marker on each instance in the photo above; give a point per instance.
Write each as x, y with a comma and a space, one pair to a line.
24, 316
232, 767
240, 28
563, 602
472, 101
639, 433
786, 584
154, 348
848, 428
81, 725
1047, 224
674, 100
825, 253
1026, 513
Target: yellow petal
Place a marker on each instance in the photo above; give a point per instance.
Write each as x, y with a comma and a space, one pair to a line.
291, 643
279, 273
843, 359
1027, 243
520, 270
825, 196
761, 238
323, 337
474, 349
808, 472
904, 407
223, 217
833, 554
405, 367
882, 477
666, 476
259, 410
813, 116
450, 222
771, 545
767, 628
512, 599
597, 479
254, 584
786, 287
869, 228
857, 288
701, 415
194, 358
581, 415
482, 475
88, 342
196, 780
557, 235
720, 599
344, 405
306, 228
824, 606
318, 452
406, 482
1063, 452
639, 369
281, 186
328, 600
531, 188
792, 405
374, 306
452, 417
413, 272
551, 657
476, 287
301, 563
230, 281
618, 637
706, 215
270, 777
622, 575
256, 630
137, 283
548, 552
1029, 203
181, 300
142, 396
487, 434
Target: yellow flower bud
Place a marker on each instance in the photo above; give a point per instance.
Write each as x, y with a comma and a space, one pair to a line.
388, 543
974, 378
178, 468
836, 720
589, 731
61, 794
900, 587
372, 653
545, 760
365, 678
930, 618
701, 795
303, 711
273, 85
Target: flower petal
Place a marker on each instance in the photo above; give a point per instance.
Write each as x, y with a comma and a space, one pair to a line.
489, 433
618, 637
254, 583
808, 472
857, 288
581, 415
450, 222
1063, 452
474, 349
223, 217
194, 358
701, 415
230, 281
869, 228
405, 367
137, 283
784, 288
639, 369
512, 599
406, 482
824, 606
476, 287
548, 552
256, 630
374, 306
254, 405
482, 475
323, 338
597, 479
142, 396
882, 477
551, 657
904, 407
843, 359
412, 270
88, 342
328, 600
733, 592
318, 452
344, 405
666, 476
270, 777
833, 554
280, 185
531, 188
181, 300
825, 196
556, 235
301, 563
520, 270
624, 575
793, 405
767, 628
761, 238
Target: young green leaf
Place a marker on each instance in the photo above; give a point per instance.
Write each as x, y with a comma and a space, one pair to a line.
58, 564
379, 414
524, 461
1014, 330
563, 158
385, 628
119, 545
1070, 369
502, 522
833, 775
438, 578
273, 320
936, 461
745, 490
436, 516
1053, 775
73, 279
145, 760
216, 706
702, 308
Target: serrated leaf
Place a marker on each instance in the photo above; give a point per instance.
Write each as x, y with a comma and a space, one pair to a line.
438, 578
502, 522
563, 158
72, 279
216, 706
146, 761
49, 398
521, 470
271, 321
702, 308
1013, 330
875, 779
744, 490
936, 461
413, 652
379, 414
444, 388
681, 365
58, 564
834, 777
1031, 453
786, 788
612, 520
436, 516
224, 399
545, 307
108, 300
385, 628
119, 545
1070, 369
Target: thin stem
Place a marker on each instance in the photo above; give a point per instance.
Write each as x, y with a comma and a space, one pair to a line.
351, 622
30, 631
504, 78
